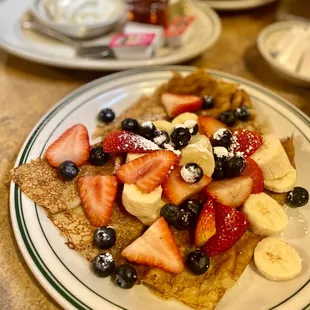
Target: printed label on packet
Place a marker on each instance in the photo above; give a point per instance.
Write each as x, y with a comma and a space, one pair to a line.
132, 40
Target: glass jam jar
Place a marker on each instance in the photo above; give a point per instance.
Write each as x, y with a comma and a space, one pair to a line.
148, 11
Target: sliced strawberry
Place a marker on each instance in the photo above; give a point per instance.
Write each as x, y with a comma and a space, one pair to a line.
127, 142
231, 192
177, 104
246, 142
230, 227
176, 190
97, 194
148, 171
209, 125
72, 145
205, 227
156, 248
253, 171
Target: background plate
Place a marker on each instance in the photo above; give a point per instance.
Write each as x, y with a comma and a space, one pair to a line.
234, 5
66, 275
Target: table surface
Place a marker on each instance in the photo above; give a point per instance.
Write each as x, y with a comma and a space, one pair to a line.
28, 90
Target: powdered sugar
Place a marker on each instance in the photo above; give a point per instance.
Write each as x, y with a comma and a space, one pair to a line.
180, 126
190, 174
160, 139
169, 147
219, 134
147, 124
190, 125
128, 139
220, 151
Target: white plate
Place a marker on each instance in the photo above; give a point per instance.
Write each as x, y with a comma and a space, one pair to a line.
66, 275
40, 49
267, 38
234, 5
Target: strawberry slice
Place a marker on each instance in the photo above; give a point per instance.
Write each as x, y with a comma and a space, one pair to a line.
246, 142
72, 145
253, 171
230, 227
231, 192
127, 142
97, 194
177, 104
148, 171
205, 227
209, 125
176, 190
156, 248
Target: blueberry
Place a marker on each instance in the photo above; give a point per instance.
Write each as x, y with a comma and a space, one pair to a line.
243, 113
130, 124
198, 262
161, 138
171, 213
233, 166
222, 137
125, 276
297, 197
104, 237
103, 265
106, 116
208, 102
185, 220
191, 173
193, 205
228, 118
68, 170
192, 126
98, 157
218, 172
147, 130
194, 130
180, 137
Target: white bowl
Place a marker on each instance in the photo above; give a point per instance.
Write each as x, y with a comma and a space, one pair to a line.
267, 39
79, 31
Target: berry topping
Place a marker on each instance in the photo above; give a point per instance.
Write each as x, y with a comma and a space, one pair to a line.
125, 276
180, 137
192, 126
68, 170
177, 104
297, 197
156, 248
219, 172
198, 262
130, 124
231, 192
104, 237
246, 142
106, 116
171, 213
97, 195
205, 227
191, 173
186, 219
148, 171
147, 130
103, 265
176, 190
193, 205
222, 137
127, 142
161, 138
209, 125
98, 157
72, 145
243, 113
208, 102
228, 118
233, 166
253, 171
230, 227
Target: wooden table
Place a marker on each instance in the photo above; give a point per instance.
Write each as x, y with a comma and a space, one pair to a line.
28, 90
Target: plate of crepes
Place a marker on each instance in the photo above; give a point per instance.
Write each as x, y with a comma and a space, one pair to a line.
167, 188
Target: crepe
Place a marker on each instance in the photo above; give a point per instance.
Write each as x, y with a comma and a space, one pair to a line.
41, 183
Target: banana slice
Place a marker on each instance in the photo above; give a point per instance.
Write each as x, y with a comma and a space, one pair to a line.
284, 184
266, 216
272, 158
187, 116
132, 156
199, 151
164, 125
277, 260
